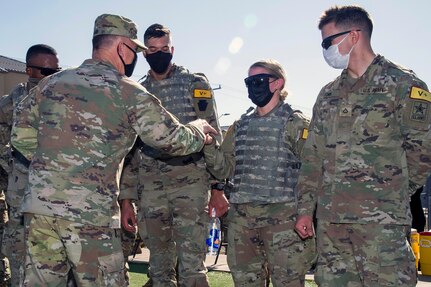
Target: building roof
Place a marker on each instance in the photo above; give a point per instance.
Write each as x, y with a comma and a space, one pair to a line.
11, 65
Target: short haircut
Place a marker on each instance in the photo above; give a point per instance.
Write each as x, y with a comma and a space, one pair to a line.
39, 49
156, 31
348, 17
276, 69
100, 41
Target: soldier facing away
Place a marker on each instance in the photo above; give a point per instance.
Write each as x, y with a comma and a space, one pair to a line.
369, 140
77, 126
262, 154
173, 190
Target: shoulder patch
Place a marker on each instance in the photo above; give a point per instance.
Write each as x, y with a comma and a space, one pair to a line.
420, 94
202, 105
304, 134
198, 93
419, 111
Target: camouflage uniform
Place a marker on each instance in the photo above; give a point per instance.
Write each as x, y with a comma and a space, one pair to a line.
174, 190
368, 138
77, 126
263, 156
4, 273
13, 239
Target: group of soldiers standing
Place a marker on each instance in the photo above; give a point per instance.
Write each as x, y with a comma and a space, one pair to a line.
331, 191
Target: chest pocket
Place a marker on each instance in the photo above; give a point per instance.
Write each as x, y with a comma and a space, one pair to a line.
375, 122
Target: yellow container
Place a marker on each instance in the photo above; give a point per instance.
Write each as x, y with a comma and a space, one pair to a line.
425, 252
414, 239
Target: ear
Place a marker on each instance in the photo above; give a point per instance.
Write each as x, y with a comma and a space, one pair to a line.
28, 71
121, 49
355, 36
172, 51
278, 84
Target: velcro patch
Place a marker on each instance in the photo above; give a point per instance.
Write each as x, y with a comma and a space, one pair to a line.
420, 94
419, 111
202, 105
304, 134
202, 94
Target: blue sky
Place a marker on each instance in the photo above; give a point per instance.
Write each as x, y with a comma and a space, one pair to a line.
223, 38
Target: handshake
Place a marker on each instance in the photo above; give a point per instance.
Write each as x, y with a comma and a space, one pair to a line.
206, 128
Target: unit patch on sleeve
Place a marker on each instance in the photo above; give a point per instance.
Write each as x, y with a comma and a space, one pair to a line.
419, 111
202, 104
202, 94
420, 94
304, 134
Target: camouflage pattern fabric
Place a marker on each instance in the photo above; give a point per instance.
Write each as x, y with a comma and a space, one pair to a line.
368, 139
221, 161
127, 243
94, 253
262, 231
80, 124
375, 256
184, 210
108, 24
173, 191
267, 172
4, 263
77, 126
13, 239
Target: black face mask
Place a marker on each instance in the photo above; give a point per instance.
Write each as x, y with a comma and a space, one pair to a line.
129, 68
159, 61
258, 89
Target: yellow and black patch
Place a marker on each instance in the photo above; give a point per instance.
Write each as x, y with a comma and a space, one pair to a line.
419, 111
202, 94
420, 94
304, 134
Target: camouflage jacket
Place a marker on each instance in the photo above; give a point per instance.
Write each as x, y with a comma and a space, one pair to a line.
222, 162
78, 125
18, 172
8, 103
368, 138
188, 96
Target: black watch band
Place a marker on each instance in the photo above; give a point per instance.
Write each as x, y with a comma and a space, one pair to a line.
217, 186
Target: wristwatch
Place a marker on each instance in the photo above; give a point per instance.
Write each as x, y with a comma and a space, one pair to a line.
217, 186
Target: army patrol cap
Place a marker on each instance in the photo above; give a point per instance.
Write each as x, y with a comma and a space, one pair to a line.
108, 24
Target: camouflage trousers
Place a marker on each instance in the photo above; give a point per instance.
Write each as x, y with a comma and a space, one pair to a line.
174, 226
54, 246
14, 244
127, 243
4, 263
253, 243
368, 255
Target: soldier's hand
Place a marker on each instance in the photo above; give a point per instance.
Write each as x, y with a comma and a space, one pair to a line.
204, 126
304, 226
218, 201
209, 139
128, 216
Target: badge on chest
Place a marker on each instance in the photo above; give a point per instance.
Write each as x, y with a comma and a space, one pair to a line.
345, 110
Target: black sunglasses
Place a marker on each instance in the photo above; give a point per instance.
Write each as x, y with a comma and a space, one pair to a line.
327, 42
258, 80
45, 71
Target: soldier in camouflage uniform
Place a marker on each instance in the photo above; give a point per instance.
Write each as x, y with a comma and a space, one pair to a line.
77, 126
41, 61
174, 190
262, 154
369, 140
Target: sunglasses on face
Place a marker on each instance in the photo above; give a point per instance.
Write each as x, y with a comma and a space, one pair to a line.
327, 42
45, 71
258, 80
